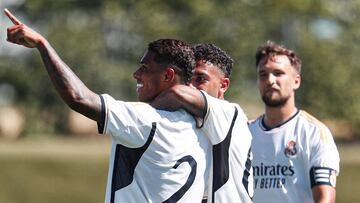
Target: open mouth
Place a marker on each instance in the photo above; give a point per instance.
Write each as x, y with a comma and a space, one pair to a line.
138, 86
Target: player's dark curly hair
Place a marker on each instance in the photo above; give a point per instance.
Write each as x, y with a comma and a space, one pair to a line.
175, 53
214, 55
270, 49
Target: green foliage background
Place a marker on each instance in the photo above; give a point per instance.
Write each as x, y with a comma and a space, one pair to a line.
103, 40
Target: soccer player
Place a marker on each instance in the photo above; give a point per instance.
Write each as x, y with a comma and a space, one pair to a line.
224, 123
156, 156
295, 156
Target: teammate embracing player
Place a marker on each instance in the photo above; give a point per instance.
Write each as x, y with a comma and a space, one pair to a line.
295, 156
224, 123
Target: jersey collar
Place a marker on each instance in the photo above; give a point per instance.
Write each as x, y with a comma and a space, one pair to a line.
267, 128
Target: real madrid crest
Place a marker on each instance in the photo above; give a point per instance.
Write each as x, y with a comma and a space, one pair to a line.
333, 178
290, 149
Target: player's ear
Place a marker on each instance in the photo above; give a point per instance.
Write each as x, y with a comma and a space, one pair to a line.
169, 74
224, 84
297, 81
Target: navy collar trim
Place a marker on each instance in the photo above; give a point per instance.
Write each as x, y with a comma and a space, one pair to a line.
267, 128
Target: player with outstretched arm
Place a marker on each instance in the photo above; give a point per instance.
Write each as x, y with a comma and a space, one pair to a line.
156, 155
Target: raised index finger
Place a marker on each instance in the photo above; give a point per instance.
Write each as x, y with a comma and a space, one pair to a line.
12, 17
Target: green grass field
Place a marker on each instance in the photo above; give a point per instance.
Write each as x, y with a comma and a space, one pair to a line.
54, 171
75, 170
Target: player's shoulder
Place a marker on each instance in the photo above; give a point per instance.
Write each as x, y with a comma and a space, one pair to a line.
120, 106
309, 119
252, 122
237, 106
140, 105
310, 122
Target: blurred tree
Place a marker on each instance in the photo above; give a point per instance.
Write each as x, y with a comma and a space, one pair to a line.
103, 41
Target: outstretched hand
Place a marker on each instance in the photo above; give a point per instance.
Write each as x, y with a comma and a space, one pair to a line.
21, 34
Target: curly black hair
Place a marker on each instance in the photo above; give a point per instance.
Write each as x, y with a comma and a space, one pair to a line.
214, 55
175, 53
270, 49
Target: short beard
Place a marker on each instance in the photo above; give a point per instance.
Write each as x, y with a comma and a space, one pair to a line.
274, 103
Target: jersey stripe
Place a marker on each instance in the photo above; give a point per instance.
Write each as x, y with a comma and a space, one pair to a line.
221, 158
324, 135
101, 124
200, 121
125, 161
246, 173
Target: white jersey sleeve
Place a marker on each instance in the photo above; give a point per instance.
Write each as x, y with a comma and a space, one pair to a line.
225, 125
126, 122
324, 156
323, 149
219, 117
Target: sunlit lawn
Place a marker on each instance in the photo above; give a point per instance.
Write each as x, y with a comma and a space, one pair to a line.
76, 171
55, 173
32, 179
348, 190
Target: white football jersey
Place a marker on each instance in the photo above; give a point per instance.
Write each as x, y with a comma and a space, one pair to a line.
231, 179
291, 158
156, 156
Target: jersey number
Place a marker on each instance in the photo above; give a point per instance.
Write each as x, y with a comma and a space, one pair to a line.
126, 160
177, 195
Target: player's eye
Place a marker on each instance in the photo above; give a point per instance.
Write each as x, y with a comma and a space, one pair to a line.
262, 75
142, 68
278, 73
200, 79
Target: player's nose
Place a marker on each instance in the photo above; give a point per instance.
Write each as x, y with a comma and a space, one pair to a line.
136, 74
271, 79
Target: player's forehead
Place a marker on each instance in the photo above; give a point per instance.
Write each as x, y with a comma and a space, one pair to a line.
274, 62
148, 57
203, 67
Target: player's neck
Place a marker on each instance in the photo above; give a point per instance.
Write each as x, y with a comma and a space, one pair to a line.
221, 97
275, 116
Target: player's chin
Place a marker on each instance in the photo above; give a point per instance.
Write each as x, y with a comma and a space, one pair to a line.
273, 101
140, 97
145, 98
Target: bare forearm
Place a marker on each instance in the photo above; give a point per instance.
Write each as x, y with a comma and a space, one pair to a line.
192, 101
324, 194
181, 96
72, 90
67, 84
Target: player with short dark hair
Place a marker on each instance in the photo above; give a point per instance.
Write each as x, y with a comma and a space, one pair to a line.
224, 123
295, 156
214, 55
176, 54
213, 69
156, 156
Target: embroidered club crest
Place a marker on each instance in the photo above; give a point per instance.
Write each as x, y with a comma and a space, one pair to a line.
290, 149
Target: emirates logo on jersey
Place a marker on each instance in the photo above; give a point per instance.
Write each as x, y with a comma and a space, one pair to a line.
290, 149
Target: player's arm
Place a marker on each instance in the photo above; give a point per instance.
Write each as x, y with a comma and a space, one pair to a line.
72, 90
324, 194
182, 96
325, 164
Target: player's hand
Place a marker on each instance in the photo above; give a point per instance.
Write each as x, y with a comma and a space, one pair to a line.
21, 34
